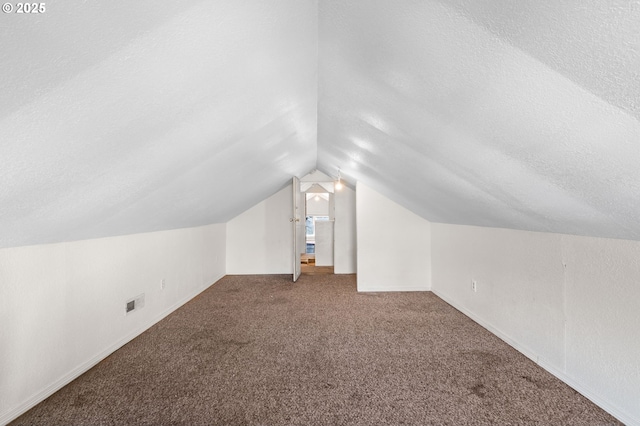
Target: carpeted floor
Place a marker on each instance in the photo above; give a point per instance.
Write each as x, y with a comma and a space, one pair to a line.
261, 350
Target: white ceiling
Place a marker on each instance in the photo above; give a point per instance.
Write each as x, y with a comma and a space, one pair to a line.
494, 113
122, 117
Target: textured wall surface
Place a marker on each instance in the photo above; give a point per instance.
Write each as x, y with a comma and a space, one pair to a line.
602, 319
567, 302
259, 240
62, 306
345, 232
394, 245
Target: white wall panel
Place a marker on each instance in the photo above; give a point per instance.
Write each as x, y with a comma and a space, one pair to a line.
393, 245
62, 306
319, 207
567, 302
519, 281
260, 240
345, 232
603, 320
324, 243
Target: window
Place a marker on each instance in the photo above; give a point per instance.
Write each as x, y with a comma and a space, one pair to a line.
309, 225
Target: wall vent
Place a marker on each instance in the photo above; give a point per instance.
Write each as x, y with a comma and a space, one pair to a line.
134, 304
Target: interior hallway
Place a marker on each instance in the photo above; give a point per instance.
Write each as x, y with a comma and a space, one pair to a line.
309, 267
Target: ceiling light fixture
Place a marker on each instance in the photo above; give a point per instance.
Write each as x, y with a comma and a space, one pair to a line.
339, 182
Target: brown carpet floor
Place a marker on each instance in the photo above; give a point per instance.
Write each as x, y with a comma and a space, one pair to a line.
261, 350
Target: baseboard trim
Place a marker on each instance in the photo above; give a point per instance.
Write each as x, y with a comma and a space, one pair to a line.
585, 391
16, 412
387, 289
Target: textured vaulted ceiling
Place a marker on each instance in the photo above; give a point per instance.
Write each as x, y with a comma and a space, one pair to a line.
122, 117
129, 116
517, 114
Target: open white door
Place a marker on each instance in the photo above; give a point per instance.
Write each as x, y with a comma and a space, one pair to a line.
296, 220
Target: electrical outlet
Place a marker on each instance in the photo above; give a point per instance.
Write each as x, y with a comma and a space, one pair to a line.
163, 284
474, 285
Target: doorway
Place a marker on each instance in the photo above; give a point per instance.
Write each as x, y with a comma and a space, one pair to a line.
314, 242
319, 231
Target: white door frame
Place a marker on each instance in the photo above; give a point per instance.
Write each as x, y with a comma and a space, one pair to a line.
297, 228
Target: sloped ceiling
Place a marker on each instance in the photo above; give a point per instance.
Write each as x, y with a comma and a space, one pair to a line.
493, 113
123, 117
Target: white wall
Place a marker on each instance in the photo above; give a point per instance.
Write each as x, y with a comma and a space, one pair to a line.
345, 232
393, 243
569, 303
62, 305
318, 207
259, 241
324, 243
